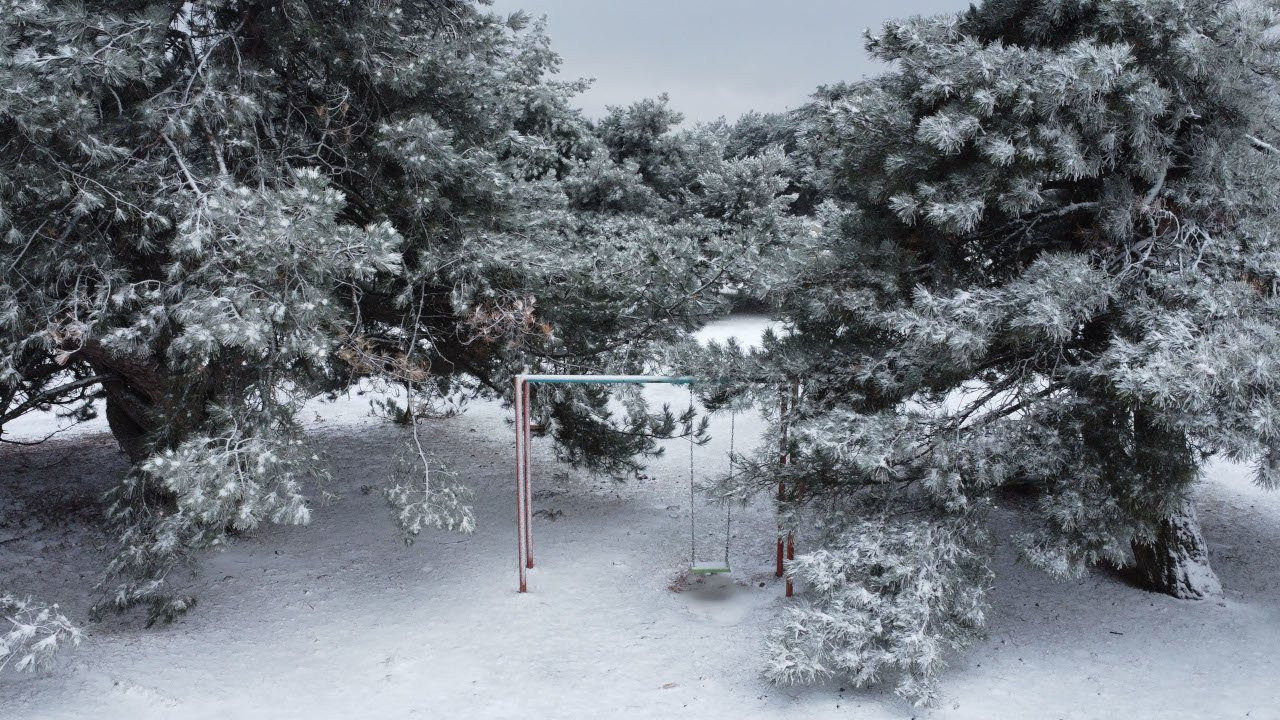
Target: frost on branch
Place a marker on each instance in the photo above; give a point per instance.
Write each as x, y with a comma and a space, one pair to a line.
195, 496
887, 597
35, 633
426, 497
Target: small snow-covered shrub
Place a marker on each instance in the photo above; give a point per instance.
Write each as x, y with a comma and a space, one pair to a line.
888, 596
35, 633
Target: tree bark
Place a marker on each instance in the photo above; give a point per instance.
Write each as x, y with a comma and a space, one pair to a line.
1176, 562
146, 408
128, 416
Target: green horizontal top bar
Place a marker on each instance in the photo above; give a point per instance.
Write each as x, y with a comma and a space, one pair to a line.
612, 379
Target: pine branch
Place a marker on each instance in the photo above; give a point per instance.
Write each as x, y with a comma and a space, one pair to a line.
50, 395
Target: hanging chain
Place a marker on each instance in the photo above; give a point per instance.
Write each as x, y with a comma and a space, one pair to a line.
728, 513
728, 516
693, 541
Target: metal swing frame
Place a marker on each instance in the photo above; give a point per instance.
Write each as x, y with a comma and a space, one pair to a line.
524, 439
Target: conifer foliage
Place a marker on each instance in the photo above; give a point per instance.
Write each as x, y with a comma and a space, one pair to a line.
1038, 252
213, 211
1047, 258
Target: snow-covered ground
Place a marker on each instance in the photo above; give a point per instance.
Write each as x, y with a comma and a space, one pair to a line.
340, 620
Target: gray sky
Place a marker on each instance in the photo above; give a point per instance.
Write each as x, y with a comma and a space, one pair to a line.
714, 57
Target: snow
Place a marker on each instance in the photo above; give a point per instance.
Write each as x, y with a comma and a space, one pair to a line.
341, 620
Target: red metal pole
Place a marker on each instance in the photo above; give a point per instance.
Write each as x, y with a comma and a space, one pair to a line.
528, 483
520, 500
791, 555
782, 460
779, 569
791, 538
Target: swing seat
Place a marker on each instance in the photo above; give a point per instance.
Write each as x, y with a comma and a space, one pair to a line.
709, 568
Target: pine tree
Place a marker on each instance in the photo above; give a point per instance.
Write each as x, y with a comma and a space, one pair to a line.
1046, 258
213, 211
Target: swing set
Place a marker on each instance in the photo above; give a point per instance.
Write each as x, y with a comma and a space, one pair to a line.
524, 437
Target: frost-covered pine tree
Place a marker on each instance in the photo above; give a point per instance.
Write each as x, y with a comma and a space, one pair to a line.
669, 217
1047, 257
212, 211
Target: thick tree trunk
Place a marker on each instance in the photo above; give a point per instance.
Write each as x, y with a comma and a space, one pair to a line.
145, 407
129, 417
1176, 562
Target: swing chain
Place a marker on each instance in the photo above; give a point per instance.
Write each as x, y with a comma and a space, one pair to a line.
693, 535
728, 513
728, 517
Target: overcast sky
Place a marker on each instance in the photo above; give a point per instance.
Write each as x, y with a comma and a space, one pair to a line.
715, 57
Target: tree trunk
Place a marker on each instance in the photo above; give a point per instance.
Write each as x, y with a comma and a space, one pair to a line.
128, 416
1176, 562
146, 408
